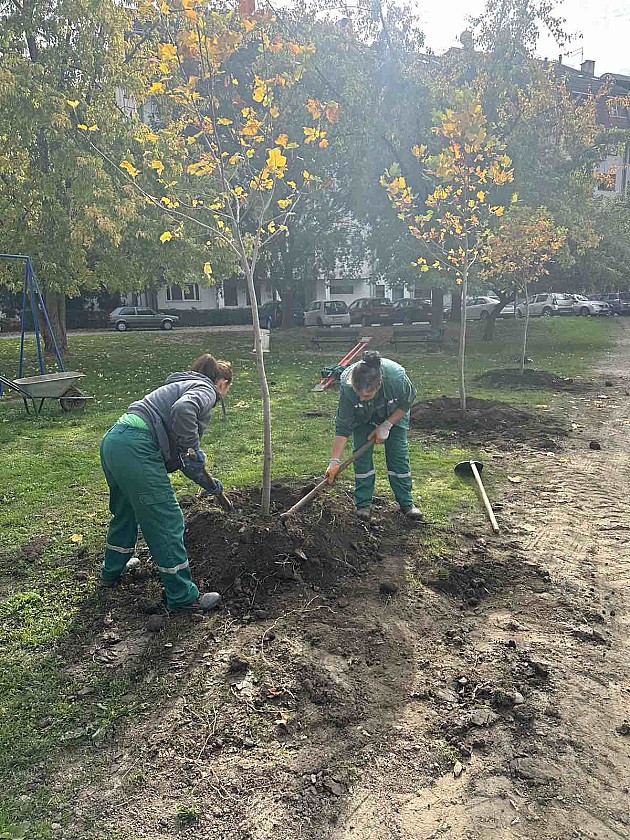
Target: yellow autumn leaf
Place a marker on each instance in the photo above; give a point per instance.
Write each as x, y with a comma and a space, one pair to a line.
82, 127
129, 168
167, 52
515, 479
291, 184
73, 103
166, 236
481, 195
283, 203
157, 165
76, 538
224, 121
282, 140
271, 227
276, 162
274, 112
248, 24
93, 127
323, 144
310, 134
207, 269
156, 87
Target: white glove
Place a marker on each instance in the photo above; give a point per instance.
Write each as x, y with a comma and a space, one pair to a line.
382, 431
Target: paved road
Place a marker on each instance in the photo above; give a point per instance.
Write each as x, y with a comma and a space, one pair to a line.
229, 328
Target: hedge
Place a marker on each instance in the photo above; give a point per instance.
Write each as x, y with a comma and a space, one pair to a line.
211, 317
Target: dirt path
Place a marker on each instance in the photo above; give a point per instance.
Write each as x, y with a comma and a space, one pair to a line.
480, 694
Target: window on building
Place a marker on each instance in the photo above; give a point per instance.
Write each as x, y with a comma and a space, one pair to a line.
174, 293
420, 294
398, 292
379, 291
188, 292
230, 292
339, 288
191, 291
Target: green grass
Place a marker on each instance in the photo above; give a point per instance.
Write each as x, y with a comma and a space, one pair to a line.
52, 488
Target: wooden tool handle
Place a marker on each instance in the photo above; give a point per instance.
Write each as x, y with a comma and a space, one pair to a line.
322, 484
484, 497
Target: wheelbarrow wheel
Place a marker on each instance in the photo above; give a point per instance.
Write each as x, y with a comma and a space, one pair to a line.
72, 404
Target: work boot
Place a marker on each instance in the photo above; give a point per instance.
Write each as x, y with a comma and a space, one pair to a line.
204, 603
412, 512
363, 513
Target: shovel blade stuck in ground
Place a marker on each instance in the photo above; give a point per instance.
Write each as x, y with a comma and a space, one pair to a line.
468, 469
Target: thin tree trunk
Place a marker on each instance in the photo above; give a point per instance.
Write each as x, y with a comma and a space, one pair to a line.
525, 331
462, 342
264, 388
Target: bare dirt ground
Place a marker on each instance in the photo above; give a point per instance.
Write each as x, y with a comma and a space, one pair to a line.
408, 691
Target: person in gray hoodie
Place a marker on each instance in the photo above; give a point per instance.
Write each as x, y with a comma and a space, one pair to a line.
159, 434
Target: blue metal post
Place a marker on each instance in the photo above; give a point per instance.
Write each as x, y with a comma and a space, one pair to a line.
29, 271
46, 318
24, 294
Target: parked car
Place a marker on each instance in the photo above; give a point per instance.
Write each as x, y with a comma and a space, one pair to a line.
366, 311
618, 302
408, 310
549, 303
327, 313
130, 317
270, 314
480, 308
583, 305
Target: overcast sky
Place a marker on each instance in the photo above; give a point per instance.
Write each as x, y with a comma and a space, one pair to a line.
604, 24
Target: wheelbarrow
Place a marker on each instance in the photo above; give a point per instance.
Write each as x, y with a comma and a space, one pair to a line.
49, 386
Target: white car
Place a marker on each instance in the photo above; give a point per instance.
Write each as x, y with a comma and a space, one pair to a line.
549, 303
479, 308
327, 313
585, 306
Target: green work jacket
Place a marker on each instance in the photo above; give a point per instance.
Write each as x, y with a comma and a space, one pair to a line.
396, 391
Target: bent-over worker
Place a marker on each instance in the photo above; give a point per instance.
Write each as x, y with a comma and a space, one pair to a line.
159, 434
374, 402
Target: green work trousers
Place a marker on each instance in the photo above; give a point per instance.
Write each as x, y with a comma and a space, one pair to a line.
140, 494
398, 469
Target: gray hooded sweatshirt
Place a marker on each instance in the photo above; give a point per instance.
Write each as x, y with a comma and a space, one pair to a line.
178, 414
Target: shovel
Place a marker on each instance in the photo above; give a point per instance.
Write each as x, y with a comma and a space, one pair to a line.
322, 484
221, 498
467, 468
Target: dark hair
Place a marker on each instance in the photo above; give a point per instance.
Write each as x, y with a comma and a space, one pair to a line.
367, 374
212, 368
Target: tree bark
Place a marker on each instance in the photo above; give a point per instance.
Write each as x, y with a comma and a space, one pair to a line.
437, 308
490, 324
456, 306
56, 308
288, 304
462, 342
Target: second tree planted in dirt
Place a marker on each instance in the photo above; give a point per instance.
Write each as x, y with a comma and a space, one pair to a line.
469, 171
519, 254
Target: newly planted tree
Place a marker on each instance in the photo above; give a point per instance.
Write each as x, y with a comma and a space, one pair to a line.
469, 172
519, 254
221, 153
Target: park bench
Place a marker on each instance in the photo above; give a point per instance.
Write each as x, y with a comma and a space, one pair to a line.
336, 336
418, 334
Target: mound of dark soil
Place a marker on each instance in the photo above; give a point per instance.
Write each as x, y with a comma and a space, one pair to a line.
487, 421
248, 557
513, 378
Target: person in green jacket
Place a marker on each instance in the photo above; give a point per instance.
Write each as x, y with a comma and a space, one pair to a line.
374, 402
159, 434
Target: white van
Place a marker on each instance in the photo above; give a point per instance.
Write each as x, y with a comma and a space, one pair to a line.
327, 313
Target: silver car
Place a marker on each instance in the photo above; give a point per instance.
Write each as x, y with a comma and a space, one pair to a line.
585, 306
327, 313
139, 317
